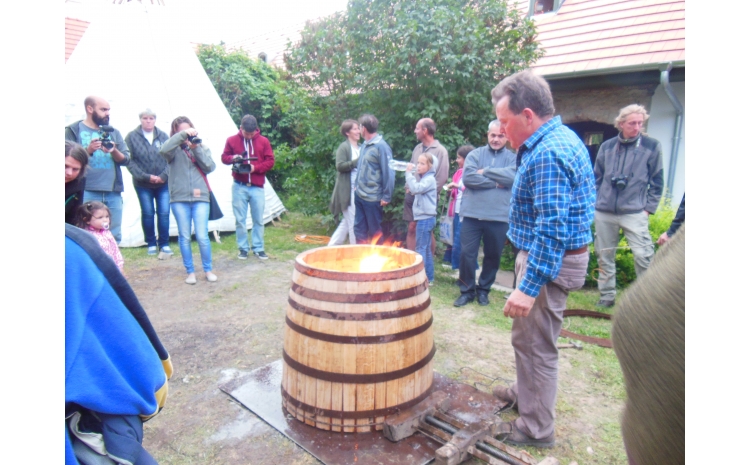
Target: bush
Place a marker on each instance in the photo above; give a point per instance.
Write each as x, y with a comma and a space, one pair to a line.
624, 261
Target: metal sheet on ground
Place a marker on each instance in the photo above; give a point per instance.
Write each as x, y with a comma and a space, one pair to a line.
260, 391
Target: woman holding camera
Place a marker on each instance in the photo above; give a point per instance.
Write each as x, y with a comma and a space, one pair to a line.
76, 161
189, 163
342, 200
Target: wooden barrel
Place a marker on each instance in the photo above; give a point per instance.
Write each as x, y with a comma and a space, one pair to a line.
358, 346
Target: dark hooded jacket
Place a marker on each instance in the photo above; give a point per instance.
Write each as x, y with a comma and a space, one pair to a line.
145, 160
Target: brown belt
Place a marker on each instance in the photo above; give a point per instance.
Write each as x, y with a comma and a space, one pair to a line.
578, 251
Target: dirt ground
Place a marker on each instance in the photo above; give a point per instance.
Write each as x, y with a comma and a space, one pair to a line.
215, 331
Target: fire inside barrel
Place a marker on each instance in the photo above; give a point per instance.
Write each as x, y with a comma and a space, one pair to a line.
358, 345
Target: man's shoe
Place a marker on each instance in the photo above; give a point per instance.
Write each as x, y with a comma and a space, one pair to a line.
152, 250
483, 298
167, 250
510, 434
605, 303
242, 255
262, 255
506, 395
463, 299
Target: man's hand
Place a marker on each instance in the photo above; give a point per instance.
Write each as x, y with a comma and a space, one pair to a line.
408, 191
518, 305
94, 145
156, 180
481, 171
237, 158
409, 167
647, 213
383, 203
252, 168
662, 239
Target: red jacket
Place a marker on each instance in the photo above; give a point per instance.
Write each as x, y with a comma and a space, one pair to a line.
258, 146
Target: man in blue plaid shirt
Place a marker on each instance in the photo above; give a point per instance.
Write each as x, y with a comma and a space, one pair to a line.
551, 211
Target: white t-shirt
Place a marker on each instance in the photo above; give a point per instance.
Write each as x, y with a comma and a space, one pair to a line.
148, 135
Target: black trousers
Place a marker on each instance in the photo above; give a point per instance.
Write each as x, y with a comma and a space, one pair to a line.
492, 233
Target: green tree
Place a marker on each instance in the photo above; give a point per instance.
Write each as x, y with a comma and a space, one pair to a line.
401, 61
249, 86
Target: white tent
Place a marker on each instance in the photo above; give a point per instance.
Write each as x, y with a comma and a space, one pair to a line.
137, 57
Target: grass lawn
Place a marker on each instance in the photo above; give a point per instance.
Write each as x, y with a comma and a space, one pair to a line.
591, 391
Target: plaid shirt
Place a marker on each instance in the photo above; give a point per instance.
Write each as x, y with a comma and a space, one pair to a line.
552, 203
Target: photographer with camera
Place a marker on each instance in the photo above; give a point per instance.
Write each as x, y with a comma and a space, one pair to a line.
251, 156
107, 153
629, 184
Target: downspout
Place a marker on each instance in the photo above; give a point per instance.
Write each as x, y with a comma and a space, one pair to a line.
665, 69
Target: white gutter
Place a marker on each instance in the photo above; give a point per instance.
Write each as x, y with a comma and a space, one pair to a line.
677, 126
621, 69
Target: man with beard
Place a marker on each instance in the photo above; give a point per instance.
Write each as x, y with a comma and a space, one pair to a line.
104, 177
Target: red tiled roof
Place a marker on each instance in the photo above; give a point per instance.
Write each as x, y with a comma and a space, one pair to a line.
74, 29
594, 35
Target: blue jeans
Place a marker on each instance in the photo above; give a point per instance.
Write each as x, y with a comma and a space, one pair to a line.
146, 197
242, 196
424, 241
196, 213
367, 218
456, 253
113, 200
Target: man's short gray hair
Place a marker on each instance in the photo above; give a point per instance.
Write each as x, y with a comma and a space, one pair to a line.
494, 122
146, 112
629, 110
525, 90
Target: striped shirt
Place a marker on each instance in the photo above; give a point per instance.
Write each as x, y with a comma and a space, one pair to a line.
552, 202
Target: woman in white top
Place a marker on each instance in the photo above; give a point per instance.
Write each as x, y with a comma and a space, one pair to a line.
342, 200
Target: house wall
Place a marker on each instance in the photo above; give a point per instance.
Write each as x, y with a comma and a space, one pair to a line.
603, 104
661, 127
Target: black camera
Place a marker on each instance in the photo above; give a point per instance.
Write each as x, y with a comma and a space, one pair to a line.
195, 140
105, 136
620, 182
242, 166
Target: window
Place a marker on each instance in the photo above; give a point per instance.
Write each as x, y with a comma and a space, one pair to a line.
593, 138
540, 7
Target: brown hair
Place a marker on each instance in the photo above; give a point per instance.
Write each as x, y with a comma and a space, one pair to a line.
79, 154
86, 212
369, 122
347, 126
178, 121
464, 150
429, 125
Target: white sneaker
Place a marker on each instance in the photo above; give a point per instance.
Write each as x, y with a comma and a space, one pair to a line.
190, 279
152, 250
212, 278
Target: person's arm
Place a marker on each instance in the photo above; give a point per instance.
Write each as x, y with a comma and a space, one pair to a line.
134, 167
552, 203
442, 173
227, 156
599, 167
120, 153
471, 178
265, 162
426, 184
679, 218
655, 181
170, 148
203, 158
389, 176
503, 176
343, 162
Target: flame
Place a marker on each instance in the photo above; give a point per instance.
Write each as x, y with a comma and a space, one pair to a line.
376, 262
